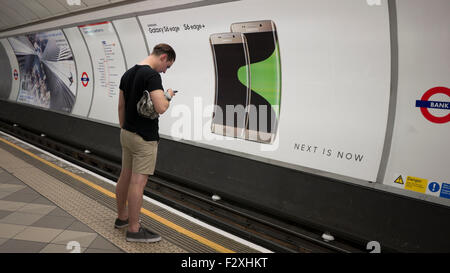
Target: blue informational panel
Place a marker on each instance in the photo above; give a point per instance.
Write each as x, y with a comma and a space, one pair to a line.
445, 192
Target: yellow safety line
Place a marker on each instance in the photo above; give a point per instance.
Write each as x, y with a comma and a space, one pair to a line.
112, 195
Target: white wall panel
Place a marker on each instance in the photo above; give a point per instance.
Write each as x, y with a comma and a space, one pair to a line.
5, 74
15, 82
131, 39
109, 66
420, 147
85, 84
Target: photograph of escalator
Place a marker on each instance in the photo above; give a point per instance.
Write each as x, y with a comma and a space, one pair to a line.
47, 70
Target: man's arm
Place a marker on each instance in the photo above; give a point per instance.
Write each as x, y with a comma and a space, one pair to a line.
160, 102
121, 109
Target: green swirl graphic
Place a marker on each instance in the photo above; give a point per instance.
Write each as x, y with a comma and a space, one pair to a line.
265, 78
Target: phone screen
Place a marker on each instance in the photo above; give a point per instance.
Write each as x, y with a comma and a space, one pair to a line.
265, 71
229, 58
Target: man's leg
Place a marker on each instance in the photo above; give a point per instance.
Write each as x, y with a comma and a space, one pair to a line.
122, 193
125, 176
135, 194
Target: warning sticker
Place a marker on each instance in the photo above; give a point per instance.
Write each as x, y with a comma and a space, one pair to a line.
416, 184
399, 180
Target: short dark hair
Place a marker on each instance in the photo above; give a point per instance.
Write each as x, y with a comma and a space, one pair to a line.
160, 49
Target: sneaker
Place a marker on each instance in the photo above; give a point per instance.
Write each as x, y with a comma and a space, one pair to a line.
120, 223
143, 236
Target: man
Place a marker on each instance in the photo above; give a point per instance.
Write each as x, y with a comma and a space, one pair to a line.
139, 138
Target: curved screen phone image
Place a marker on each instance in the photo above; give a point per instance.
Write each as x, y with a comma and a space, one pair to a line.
230, 54
265, 75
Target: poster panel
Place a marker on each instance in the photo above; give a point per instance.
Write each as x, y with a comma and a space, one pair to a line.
108, 63
15, 71
84, 69
318, 75
47, 70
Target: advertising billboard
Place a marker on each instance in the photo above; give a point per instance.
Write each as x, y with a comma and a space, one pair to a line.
47, 70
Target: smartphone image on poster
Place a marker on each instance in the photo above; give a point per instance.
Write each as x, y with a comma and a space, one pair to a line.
230, 54
265, 75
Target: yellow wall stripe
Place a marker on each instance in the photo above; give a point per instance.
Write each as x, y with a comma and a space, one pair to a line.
158, 218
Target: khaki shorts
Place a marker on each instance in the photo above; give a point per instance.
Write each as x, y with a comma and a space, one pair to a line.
137, 154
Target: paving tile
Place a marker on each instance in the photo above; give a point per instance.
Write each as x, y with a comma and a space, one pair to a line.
57, 222
60, 212
38, 234
54, 248
9, 162
8, 231
11, 205
43, 201
37, 209
11, 187
19, 246
22, 196
4, 213
102, 243
94, 250
3, 194
21, 218
84, 238
6, 178
79, 226
28, 190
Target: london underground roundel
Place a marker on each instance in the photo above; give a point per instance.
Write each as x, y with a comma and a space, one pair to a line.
442, 106
84, 79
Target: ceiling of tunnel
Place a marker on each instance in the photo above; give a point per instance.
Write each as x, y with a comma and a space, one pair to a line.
15, 13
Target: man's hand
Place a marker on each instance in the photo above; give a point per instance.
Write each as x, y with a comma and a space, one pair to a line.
171, 93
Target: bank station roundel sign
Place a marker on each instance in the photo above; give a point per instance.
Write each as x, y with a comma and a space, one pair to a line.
443, 106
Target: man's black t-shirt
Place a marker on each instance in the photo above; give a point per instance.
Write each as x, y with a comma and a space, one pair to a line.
133, 83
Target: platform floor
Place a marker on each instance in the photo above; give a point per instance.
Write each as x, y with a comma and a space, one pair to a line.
31, 223
50, 205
